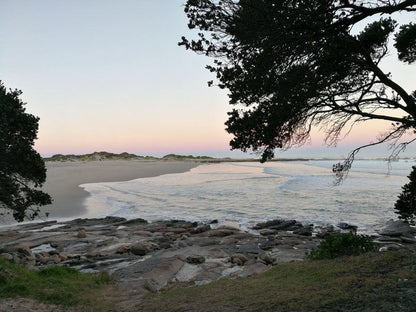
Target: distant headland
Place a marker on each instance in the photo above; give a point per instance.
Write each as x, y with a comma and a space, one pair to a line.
101, 156
98, 156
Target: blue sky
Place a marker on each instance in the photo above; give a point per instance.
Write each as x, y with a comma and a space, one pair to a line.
108, 75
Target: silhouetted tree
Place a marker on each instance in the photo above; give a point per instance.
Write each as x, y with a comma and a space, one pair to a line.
405, 205
22, 170
293, 65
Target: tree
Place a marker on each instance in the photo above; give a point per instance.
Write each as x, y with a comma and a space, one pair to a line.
22, 170
405, 205
292, 65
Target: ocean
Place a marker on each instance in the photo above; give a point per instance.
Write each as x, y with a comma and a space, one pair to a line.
251, 192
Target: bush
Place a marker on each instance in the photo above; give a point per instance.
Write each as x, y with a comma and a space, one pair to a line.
405, 205
343, 244
54, 285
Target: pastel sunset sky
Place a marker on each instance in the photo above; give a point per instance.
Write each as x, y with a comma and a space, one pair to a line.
109, 75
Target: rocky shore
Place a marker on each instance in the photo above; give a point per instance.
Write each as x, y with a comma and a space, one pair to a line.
144, 256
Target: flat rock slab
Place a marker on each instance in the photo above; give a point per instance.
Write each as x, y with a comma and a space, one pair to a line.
144, 256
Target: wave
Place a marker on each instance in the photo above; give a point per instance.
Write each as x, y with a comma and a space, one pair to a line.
253, 192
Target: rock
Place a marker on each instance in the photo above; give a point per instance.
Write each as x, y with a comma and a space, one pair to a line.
134, 221
397, 228
117, 246
200, 229
63, 256
141, 248
267, 232
268, 245
304, 231
264, 225
55, 259
384, 239
17, 259
324, 231
25, 251
284, 225
7, 256
176, 230
195, 259
390, 247
277, 224
165, 245
228, 225
81, 233
151, 285
239, 259
250, 248
181, 224
123, 249
221, 232
408, 239
266, 259
348, 227
215, 221
188, 273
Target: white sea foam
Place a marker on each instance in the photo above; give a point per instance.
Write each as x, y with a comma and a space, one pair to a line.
251, 192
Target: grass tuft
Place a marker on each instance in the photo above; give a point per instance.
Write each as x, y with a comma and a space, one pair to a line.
54, 285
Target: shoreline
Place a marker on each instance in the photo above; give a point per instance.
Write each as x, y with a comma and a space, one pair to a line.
64, 178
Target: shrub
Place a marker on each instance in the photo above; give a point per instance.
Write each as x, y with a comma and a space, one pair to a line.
342, 244
405, 205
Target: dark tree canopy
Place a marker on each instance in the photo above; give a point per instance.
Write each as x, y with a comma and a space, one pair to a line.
22, 170
293, 65
405, 205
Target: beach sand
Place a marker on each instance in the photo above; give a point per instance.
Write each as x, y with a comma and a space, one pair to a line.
64, 178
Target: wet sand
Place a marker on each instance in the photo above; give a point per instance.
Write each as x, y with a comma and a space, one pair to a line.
64, 178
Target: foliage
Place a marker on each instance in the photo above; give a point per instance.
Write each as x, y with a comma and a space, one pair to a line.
123, 156
292, 65
370, 282
342, 244
97, 156
406, 43
22, 170
185, 157
405, 205
55, 285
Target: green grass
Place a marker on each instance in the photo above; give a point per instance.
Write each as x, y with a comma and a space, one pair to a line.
53, 285
369, 282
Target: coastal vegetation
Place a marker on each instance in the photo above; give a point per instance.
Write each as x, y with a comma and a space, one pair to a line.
368, 282
405, 205
54, 285
293, 66
342, 244
184, 157
22, 170
122, 156
97, 156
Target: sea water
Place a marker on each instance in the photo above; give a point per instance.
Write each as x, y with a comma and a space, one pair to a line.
251, 192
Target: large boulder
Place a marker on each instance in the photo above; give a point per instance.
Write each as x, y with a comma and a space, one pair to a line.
141, 248
278, 224
397, 228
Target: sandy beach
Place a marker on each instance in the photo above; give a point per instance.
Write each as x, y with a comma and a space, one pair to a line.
64, 178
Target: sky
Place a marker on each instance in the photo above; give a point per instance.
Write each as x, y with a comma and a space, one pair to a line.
109, 76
